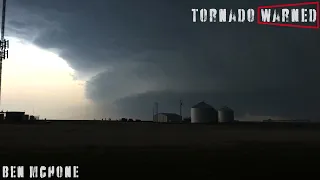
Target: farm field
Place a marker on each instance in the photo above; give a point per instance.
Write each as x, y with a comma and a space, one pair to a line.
181, 149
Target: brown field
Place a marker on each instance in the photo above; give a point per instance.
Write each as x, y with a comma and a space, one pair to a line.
181, 147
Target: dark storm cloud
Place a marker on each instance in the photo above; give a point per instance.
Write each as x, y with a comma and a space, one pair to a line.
258, 102
150, 51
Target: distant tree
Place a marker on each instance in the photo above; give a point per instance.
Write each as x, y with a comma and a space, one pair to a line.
130, 120
138, 120
109, 119
124, 119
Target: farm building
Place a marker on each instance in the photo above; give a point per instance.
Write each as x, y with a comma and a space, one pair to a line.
167, 118
15, 116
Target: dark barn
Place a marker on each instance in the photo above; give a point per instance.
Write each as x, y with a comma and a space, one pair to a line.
15, 116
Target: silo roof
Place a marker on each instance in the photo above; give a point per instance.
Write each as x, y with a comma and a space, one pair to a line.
225, 108
202, 105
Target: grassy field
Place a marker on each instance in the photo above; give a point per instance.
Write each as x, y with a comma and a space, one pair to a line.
180, 149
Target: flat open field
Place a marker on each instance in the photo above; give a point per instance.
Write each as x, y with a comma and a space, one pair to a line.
118, 134
143, 148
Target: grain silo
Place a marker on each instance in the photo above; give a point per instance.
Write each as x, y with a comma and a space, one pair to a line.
203, 113
226, 115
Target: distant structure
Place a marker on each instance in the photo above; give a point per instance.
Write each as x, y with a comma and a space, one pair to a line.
186, 120
225, 115
26, 117
167, 118
15, 116
124, 120
203, 113
32, 118
288, 121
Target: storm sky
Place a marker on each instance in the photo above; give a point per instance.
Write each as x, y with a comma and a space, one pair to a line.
138, 52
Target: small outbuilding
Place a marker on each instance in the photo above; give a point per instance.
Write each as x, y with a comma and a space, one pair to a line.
167, 118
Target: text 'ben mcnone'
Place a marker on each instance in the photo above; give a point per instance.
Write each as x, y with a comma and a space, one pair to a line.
30, 172
283, 15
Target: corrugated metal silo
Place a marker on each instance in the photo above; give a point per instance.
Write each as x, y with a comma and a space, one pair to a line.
203, 113
226, 115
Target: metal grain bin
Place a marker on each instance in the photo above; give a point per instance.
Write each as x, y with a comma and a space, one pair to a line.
226, 115
203, 113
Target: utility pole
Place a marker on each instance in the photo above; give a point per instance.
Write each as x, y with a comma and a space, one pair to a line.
4, 44
156, 110
153, 113
4, 4
180, 104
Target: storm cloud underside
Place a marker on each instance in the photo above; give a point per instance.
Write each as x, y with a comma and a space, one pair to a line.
146, 51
